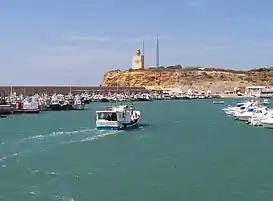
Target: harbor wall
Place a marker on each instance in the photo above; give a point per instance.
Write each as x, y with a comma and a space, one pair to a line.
30, 90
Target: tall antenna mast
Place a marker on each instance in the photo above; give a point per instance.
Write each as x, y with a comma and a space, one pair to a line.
157, 52
143, 49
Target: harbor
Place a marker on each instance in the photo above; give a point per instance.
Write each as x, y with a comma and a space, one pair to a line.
57, 155
136, 101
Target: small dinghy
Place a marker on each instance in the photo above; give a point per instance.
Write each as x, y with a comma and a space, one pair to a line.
218, 102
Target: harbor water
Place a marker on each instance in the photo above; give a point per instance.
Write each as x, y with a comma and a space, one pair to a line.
181, 150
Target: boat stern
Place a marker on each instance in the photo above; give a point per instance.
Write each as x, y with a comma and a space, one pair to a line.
108, 125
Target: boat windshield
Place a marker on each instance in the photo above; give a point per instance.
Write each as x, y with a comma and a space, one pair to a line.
109, 116
240, 104
250, 110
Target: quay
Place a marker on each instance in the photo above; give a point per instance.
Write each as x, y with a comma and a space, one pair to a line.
30, 90
32, 99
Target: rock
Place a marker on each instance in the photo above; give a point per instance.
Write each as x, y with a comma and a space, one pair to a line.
195, 78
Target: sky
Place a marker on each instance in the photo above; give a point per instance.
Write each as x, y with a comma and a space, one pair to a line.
74, 42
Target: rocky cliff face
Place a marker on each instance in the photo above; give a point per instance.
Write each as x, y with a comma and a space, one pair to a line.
213, 79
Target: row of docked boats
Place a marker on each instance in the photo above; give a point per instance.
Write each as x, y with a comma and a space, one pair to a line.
34, 104
254, 113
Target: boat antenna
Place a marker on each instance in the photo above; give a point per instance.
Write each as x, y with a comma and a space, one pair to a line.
157, 52
143, 47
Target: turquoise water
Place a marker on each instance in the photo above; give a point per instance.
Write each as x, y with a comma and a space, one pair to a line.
182, 150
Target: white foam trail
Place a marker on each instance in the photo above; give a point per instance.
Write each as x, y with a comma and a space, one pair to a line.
61, 133
64, 198
55, 134
95, 137
10, 156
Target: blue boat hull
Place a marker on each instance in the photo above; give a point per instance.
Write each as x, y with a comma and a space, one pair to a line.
117, 127
109, 128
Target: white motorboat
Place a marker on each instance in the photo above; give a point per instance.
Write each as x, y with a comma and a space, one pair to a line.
231, 109
246, 114
267, 123
240, 107
260, 115
118, 117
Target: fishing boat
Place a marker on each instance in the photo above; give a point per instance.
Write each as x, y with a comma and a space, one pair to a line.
27, 106
78, 103
5, 108
118, 117
54, 103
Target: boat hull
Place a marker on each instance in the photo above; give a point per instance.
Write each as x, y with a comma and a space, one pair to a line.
55, 107
27, 111
142, 99
79, 107
104, 100
60, 107
5, 109
67, 107
242, 118
43, 107
266, 125
115, 125
86, 101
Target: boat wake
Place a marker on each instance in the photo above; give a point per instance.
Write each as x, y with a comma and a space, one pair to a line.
95, 137
9, 156
45, 142
56, 134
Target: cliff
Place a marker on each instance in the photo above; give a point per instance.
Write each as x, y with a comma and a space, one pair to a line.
195, 78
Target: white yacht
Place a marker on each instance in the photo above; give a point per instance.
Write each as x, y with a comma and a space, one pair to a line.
259, 115
268, 122
231, 109
118, 117
241, 107
249, 113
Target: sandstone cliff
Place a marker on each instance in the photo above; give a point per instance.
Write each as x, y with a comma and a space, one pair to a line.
185, 78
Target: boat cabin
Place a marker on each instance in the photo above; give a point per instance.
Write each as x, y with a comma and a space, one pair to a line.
121, 114
107, 115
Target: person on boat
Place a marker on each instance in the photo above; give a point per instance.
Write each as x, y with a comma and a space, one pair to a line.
108, 117
113, 117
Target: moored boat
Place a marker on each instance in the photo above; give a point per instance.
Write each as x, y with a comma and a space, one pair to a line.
218, 102
28, 106
79, 103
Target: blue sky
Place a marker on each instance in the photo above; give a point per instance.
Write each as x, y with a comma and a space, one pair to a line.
75, 41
